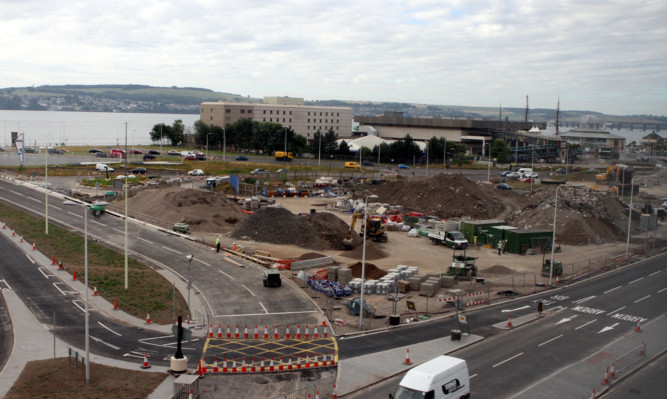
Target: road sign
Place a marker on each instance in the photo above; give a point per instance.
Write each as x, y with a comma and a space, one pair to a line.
462, 319
411, 305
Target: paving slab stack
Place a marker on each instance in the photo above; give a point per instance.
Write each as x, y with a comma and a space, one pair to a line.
332, 273
344, 276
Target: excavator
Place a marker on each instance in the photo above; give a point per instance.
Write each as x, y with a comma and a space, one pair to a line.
375, 230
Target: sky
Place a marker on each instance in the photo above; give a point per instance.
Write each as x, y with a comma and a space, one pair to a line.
606, 56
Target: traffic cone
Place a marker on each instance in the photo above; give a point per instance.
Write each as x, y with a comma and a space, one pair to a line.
245, 332
287, 334
605, 379
21, 240
210, 330
333, 392
556, 279
4, 226
219, 330
148, 318
407, 357
593, 394
509, 322
191, 392
60, 265
225, 370
74, 275
316, 363
266, 331
229, 334
252, 366
612, 372
53, 260
145, 365
307, 361
203, 365
215, 365
307, 335
94, 290
325, 363
272, 367
256, 334
298, 362
281, 366
115, 304
199, 373
638, 328
315, 335
333, 359
298, 331
261, 366
243, 367
275, 332
234, 369
642, 351
236, 333
290, 367
317, 394
33, 246
13, 233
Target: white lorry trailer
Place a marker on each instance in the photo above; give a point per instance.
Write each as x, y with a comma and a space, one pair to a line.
444, 377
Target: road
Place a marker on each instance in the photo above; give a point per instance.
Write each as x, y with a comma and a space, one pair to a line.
647, 383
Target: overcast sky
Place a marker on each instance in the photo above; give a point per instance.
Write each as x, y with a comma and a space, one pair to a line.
607, 56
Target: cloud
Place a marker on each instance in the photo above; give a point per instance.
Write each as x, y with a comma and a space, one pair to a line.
597, 55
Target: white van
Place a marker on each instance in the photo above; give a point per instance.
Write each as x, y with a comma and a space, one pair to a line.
525, 172
444, 377
102, 167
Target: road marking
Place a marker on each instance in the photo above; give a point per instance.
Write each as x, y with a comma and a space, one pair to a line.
105, 343
584, 300
136, 356
662, 290
565, 320
472, 376
608, 328
30, 259
614, 311
584, 309
34, 199
96, 222
641, 299
262, 305
118, 230
79, 306
5, 282
514, 310
612, 289
74, 214
201, 261
56, 207
552, 339
248, 289
16, 193
145, 240
227, 275
110, 330
507, 360
276, 313
627, 317
584, 325
58, 288
42, 271
654, 273
634, 281
172, 250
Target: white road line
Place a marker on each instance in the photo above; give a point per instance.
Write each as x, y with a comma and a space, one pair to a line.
105, 343
654, 273
641, 299
58, 288
136, 356
145, 240
472, 376
584, 325
262, 314
634, 281
79, 306
227, 275
201, 261
16, 193
110, 330
42, 271
662, 290
552, 339
248, 289
507, 360
580, 301
74, 214
232, 262
612, 289
56, 207
172, 250
118, 230
614, 311
34, 199
4, 281
96, 222
30, 259
262, 305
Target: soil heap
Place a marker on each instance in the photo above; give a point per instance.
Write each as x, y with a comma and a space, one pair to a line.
204, 211
444, 195
318, 231
584, 216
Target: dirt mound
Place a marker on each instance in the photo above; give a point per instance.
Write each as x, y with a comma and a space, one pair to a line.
204, 211
373, 252
372, 272
444, 195
318, 231
584, 216
311, 255
498, 269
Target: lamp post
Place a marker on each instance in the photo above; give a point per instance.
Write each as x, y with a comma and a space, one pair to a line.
285, 153
553, 238
207, 134
363, 261
319, 150
627, 242
127, 276
46, 189
189, 258
224, 145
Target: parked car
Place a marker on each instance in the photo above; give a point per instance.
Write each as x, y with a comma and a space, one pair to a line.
505, 173
101, 154
403, 166
201, 157
134, 151
241, 158
139, 171
282, 170
196, 172
259, 171
30, 150
198, 152
148, 156
154, 152
173, 152
527, 180
56, 151
561, 171
367, 163
513, 175
503, 186
190, 157
94, 150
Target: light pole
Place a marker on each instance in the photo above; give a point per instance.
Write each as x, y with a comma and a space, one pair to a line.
207, 134
553, 238
319, 150
224, 145
363, 261
285, 153
189, 258
627, 242
127, 281
46, 190
488, 161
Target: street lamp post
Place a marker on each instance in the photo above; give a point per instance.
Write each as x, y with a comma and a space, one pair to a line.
553, 238
224, 145
189, 258
627, 242
46, 190
363, 261
127, 276
207, 134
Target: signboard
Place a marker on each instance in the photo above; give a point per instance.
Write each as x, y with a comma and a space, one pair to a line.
411, 306
462, 319
17, 140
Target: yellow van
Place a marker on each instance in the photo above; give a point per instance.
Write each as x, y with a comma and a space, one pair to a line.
353, 165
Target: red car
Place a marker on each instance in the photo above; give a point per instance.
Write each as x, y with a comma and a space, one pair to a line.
136, 152
190, 158
528, 180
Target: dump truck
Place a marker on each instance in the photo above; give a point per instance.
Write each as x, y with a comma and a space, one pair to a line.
463, 266
375, 230
454, 239
283, 156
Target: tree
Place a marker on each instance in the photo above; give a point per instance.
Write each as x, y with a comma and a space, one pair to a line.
500, 151
329, 143
173, 133
343, 148
404, 150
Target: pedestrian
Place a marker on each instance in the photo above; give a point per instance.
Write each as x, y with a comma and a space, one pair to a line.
217, 244
504, 246
500, 246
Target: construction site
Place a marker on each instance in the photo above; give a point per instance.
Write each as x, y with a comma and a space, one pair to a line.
495, 243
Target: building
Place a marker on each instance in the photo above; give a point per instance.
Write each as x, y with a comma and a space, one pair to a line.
305, 120
593, 139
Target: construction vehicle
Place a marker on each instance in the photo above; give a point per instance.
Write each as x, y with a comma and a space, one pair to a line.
454, 239
353, 307
557, 269
463, 266
616, 173
283, 156
374, 228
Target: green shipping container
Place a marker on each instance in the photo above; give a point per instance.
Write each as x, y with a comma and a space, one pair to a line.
497, 233
520, 241
472, 228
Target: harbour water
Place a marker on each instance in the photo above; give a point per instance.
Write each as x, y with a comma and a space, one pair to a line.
58, 128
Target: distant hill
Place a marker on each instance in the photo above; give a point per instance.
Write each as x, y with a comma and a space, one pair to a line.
186, 100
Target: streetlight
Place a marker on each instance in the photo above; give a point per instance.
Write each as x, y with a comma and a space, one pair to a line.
224, 145
46, 189
553, 238
127, 275
207, 134
189, 258
627, 243
363, 260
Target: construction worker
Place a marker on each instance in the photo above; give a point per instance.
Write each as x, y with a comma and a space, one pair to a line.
217, 244
500, 246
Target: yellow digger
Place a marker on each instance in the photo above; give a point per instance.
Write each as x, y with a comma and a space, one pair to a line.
375, 230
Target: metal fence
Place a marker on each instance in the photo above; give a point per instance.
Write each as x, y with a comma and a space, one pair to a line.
323, 387
629, 358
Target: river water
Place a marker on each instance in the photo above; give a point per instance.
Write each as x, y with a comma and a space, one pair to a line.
84, 128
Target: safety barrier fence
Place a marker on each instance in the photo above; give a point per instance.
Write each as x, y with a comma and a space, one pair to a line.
78, 359
629, 358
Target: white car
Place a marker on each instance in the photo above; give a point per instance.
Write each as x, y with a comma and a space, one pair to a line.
664, 205
196, 172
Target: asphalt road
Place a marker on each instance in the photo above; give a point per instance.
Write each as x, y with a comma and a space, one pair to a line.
647, 383
6, 330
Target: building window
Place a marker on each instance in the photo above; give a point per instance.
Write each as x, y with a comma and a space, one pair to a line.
290, 120
337, 114
264, 120
211, 109
243, 111
283, 112
250, 111
308, 120
326, 114
308, 113
229, 111
337, 121
211, 118
290, 112
228, 118
270, 119
264, 112
271, 112
320, 114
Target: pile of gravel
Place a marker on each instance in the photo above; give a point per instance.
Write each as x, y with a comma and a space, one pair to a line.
318, 231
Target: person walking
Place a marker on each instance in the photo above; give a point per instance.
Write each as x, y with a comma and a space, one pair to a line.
217, 244
500, 246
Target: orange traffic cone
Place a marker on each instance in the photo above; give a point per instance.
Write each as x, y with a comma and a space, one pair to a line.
612, 372
145, 365
256, 334
229, 333
252, 366
315, 335
324, 360
191, 392
281, 366
289, 363
287, 334
215, 365
60, 265
219, 330
13, 233
244, 369
245, 332
307, 361
333, 359
509, 322
234, 369
605, 379
53, 260
94, 290
407, 357
115, 304
272, 367
638, 328
307, 335
74, 275
203, 365
21, 240
33, 246
148, 318
261, 366
275, 332
298, 331
224, 366
298, 361
236, 333
316, 363
333, 392
266, 331
4, 226
210, 330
